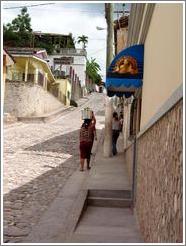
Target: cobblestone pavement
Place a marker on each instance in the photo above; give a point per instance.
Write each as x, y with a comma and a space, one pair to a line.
38, 160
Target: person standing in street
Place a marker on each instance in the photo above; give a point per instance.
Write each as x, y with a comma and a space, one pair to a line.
116, 127
86, 142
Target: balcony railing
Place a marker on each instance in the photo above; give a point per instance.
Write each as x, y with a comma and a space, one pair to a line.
18, 76
67, 51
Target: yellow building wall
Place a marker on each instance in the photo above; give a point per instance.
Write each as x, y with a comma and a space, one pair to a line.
65, 89
19, 67
162, 58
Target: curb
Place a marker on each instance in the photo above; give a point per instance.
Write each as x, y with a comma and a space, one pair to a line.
80, 203
65, 211
44, 119
49, 117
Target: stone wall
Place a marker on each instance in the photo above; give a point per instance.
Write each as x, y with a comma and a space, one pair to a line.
128, 159
26, 99
159, 179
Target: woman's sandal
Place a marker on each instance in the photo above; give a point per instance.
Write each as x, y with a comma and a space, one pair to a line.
81, 169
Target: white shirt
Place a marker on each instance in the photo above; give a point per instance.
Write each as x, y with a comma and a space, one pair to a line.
115, 124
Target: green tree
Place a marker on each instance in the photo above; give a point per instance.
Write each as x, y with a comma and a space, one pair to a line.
92, 70
22, 23
19, 31
71, 41
84, 40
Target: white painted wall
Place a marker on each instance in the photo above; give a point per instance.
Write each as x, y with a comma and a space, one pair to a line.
27, 99
79, 65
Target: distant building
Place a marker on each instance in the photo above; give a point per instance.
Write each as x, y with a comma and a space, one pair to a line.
53, 41
31, 65
28, 82
65, 58
75, 58
62, 89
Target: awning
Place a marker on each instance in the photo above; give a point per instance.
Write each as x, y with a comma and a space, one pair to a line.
125, 74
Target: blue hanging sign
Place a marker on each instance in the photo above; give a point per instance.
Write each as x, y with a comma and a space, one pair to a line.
125, 74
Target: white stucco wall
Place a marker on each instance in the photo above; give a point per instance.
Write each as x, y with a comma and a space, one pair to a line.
26, 99
162, 58
79, 65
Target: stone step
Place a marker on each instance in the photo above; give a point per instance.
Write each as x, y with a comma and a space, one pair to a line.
110, 193
97, 227
92, 238
109, 202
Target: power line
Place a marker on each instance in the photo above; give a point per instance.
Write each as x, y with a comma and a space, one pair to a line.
28, 6
65, 9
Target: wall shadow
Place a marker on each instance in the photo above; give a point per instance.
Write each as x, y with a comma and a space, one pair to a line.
66, 143
23, 206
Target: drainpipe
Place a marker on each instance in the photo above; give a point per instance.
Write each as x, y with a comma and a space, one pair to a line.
107, 145
134, 173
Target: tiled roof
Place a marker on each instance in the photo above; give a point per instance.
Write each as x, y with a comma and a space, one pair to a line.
7, 52
23, 51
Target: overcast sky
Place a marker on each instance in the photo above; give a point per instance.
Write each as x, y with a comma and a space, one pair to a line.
64, 18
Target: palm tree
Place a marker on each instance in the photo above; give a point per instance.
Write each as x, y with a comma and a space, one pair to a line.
83, 39
92, 70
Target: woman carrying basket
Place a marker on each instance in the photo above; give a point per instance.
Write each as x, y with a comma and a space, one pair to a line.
87, 133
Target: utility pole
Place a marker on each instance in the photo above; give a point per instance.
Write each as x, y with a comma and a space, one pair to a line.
107, 148
110, 31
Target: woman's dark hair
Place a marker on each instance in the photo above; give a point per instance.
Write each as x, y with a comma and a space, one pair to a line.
115, 115
86, 123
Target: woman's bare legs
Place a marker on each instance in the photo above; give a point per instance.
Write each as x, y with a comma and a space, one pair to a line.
88, 164
82, 164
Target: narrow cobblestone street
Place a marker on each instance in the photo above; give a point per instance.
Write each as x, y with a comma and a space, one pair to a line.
92, 122
38, 160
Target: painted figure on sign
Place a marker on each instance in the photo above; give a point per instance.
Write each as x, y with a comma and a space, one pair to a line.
126, 64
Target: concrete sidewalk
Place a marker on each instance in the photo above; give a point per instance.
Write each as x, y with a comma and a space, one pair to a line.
108, 217
109, 173
72, 219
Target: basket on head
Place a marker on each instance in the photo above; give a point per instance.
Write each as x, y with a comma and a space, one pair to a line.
86, 113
